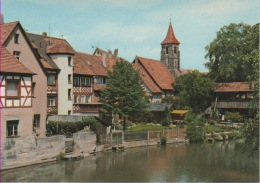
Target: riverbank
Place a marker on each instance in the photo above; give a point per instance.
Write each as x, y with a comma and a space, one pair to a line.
96, 149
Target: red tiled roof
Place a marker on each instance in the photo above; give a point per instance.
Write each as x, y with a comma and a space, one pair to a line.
58, 46
10, 64
95, 63
170, 37
6, 30
147, 79
98, 87
159, 72
81, 66
232, 87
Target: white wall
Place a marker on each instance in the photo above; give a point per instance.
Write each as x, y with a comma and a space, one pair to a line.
64, 104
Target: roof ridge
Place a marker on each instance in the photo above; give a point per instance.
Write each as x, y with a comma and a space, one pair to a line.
148, 58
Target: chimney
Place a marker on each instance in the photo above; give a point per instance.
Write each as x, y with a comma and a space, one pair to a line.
44, 34
109, 54
104, 60
2, 18
116, 52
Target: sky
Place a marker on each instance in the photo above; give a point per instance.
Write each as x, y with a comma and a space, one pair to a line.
135, 27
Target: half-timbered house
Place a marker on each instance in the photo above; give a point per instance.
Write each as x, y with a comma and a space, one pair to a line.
25, 93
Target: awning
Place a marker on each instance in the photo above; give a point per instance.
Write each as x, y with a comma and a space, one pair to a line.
179, 112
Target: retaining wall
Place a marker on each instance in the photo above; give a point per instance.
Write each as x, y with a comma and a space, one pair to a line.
22, 151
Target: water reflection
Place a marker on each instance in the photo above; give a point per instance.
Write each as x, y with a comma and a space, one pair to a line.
218, 162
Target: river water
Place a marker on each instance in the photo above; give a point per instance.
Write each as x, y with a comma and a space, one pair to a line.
200, 162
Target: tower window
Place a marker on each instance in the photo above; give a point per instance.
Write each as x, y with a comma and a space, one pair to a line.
167, 62
175, 49
69, 61
167, 51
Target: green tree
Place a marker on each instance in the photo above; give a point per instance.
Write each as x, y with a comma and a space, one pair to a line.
195, 130
124, 92
250, 130
194, 90
226, 52
233, 116
167, 99
167, 118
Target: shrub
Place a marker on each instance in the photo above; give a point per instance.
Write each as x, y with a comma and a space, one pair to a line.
233, 135
60, 156
163, 140
167, 118
60, 127
195, 130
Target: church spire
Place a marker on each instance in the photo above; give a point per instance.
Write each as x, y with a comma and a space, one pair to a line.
170, 37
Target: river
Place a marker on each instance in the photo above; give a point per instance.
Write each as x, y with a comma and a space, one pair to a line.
200, 162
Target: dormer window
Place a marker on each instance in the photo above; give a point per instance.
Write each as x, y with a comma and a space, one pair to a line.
16, 36
69, 61
17, 54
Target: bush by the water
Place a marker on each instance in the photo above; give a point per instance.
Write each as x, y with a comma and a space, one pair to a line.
233, 135
163, 140
195, 130
60, 156
70, 127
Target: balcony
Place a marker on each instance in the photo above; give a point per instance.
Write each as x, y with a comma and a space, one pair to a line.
232, 104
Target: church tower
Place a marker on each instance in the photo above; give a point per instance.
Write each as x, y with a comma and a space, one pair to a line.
170, 54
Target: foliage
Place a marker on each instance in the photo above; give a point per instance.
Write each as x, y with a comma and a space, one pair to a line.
163, 140
227, 50
167, 118
234, 116
124, 92
218, 129
146, 127
147, 117
233, 135
250, 132
194, 90
71, 127
60, 156
167, 99
195, 130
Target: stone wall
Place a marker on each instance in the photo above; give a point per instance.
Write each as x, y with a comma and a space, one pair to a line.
16, 152
30, 150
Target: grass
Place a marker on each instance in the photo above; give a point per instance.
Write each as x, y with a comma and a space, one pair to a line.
146, 127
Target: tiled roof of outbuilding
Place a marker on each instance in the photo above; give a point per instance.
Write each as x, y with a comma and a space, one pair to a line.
159, 72
10, 64
6, 30
232, 87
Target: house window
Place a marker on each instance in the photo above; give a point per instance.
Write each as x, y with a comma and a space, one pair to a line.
69, 112
69, 94
12, 128
16, 36
83, 99
69, 78
17, 54
75, 99
76, 81
51, 80
69, 61
101, 80
88, 99
85, 81
51, 101
12, 88
36, 121
167, 51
